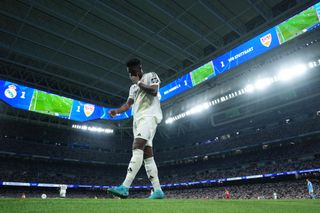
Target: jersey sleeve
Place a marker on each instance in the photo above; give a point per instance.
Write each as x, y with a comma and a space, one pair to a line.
131, 92
153, 79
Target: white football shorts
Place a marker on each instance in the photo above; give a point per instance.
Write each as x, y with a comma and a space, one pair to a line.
145, 128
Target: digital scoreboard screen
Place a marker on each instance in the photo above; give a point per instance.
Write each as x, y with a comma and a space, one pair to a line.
289, 29
176, 87
26, 98
250, 49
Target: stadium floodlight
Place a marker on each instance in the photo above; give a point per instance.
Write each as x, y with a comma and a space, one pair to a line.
108, 130
311, 64
93, 128
169, 120
263, 83
260, 84
206, 105
199, 108
299, 69
249, 88
285, 75
290, 73
195, 109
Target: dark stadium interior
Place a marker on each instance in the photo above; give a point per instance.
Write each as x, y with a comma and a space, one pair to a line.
78, 49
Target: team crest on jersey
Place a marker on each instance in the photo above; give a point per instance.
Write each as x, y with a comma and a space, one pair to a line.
266, 40
11, 91
88, 109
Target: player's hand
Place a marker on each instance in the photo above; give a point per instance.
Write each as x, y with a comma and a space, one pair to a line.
112, 112
134, 79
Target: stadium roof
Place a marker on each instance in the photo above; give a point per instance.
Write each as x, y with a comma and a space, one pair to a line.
79, 48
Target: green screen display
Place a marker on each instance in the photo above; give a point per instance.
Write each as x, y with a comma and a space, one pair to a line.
297, 25
202, 73
50, 104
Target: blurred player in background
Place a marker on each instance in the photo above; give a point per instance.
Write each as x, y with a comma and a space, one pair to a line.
147, 115
310, 189
227, 194
63, 191
275, 195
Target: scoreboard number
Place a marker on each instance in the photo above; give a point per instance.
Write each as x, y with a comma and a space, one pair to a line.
23, 95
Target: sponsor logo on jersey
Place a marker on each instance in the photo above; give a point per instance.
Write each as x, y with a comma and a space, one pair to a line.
11, 91
266, 40
88, 109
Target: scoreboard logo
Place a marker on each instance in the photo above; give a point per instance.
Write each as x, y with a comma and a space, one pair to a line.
88, 109
11, 92
266, 40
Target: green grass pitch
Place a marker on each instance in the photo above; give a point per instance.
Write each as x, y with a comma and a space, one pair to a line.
50, 104
199, 75
297, 24
157, 206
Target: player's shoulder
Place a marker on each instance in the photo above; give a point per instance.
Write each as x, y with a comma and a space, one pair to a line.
133, 87
151, 74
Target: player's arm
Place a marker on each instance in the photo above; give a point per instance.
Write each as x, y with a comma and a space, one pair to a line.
123, 108
152, 89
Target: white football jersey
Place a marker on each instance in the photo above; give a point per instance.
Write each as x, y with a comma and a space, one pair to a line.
146, 104
63, 187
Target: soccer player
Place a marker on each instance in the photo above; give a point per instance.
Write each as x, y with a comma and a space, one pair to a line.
23, 196
227, 194
63, 191
310, 189
275, 195
147, 115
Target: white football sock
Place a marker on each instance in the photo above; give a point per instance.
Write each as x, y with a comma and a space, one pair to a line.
152, 172
134, 166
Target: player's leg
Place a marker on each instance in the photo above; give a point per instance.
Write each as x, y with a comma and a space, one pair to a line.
150, 164
151, 168
152, 172
136, 161
140, 140
312, 195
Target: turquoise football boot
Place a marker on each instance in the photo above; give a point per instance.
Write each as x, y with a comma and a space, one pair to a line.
157, 194
119, 191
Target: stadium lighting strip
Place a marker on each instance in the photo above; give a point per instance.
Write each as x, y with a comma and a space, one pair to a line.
93, 129
221, 180
286, 74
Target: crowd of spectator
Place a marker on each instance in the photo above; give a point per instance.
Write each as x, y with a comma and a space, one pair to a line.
259, 136
284, 190
289, 131
287, 157
294, 189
